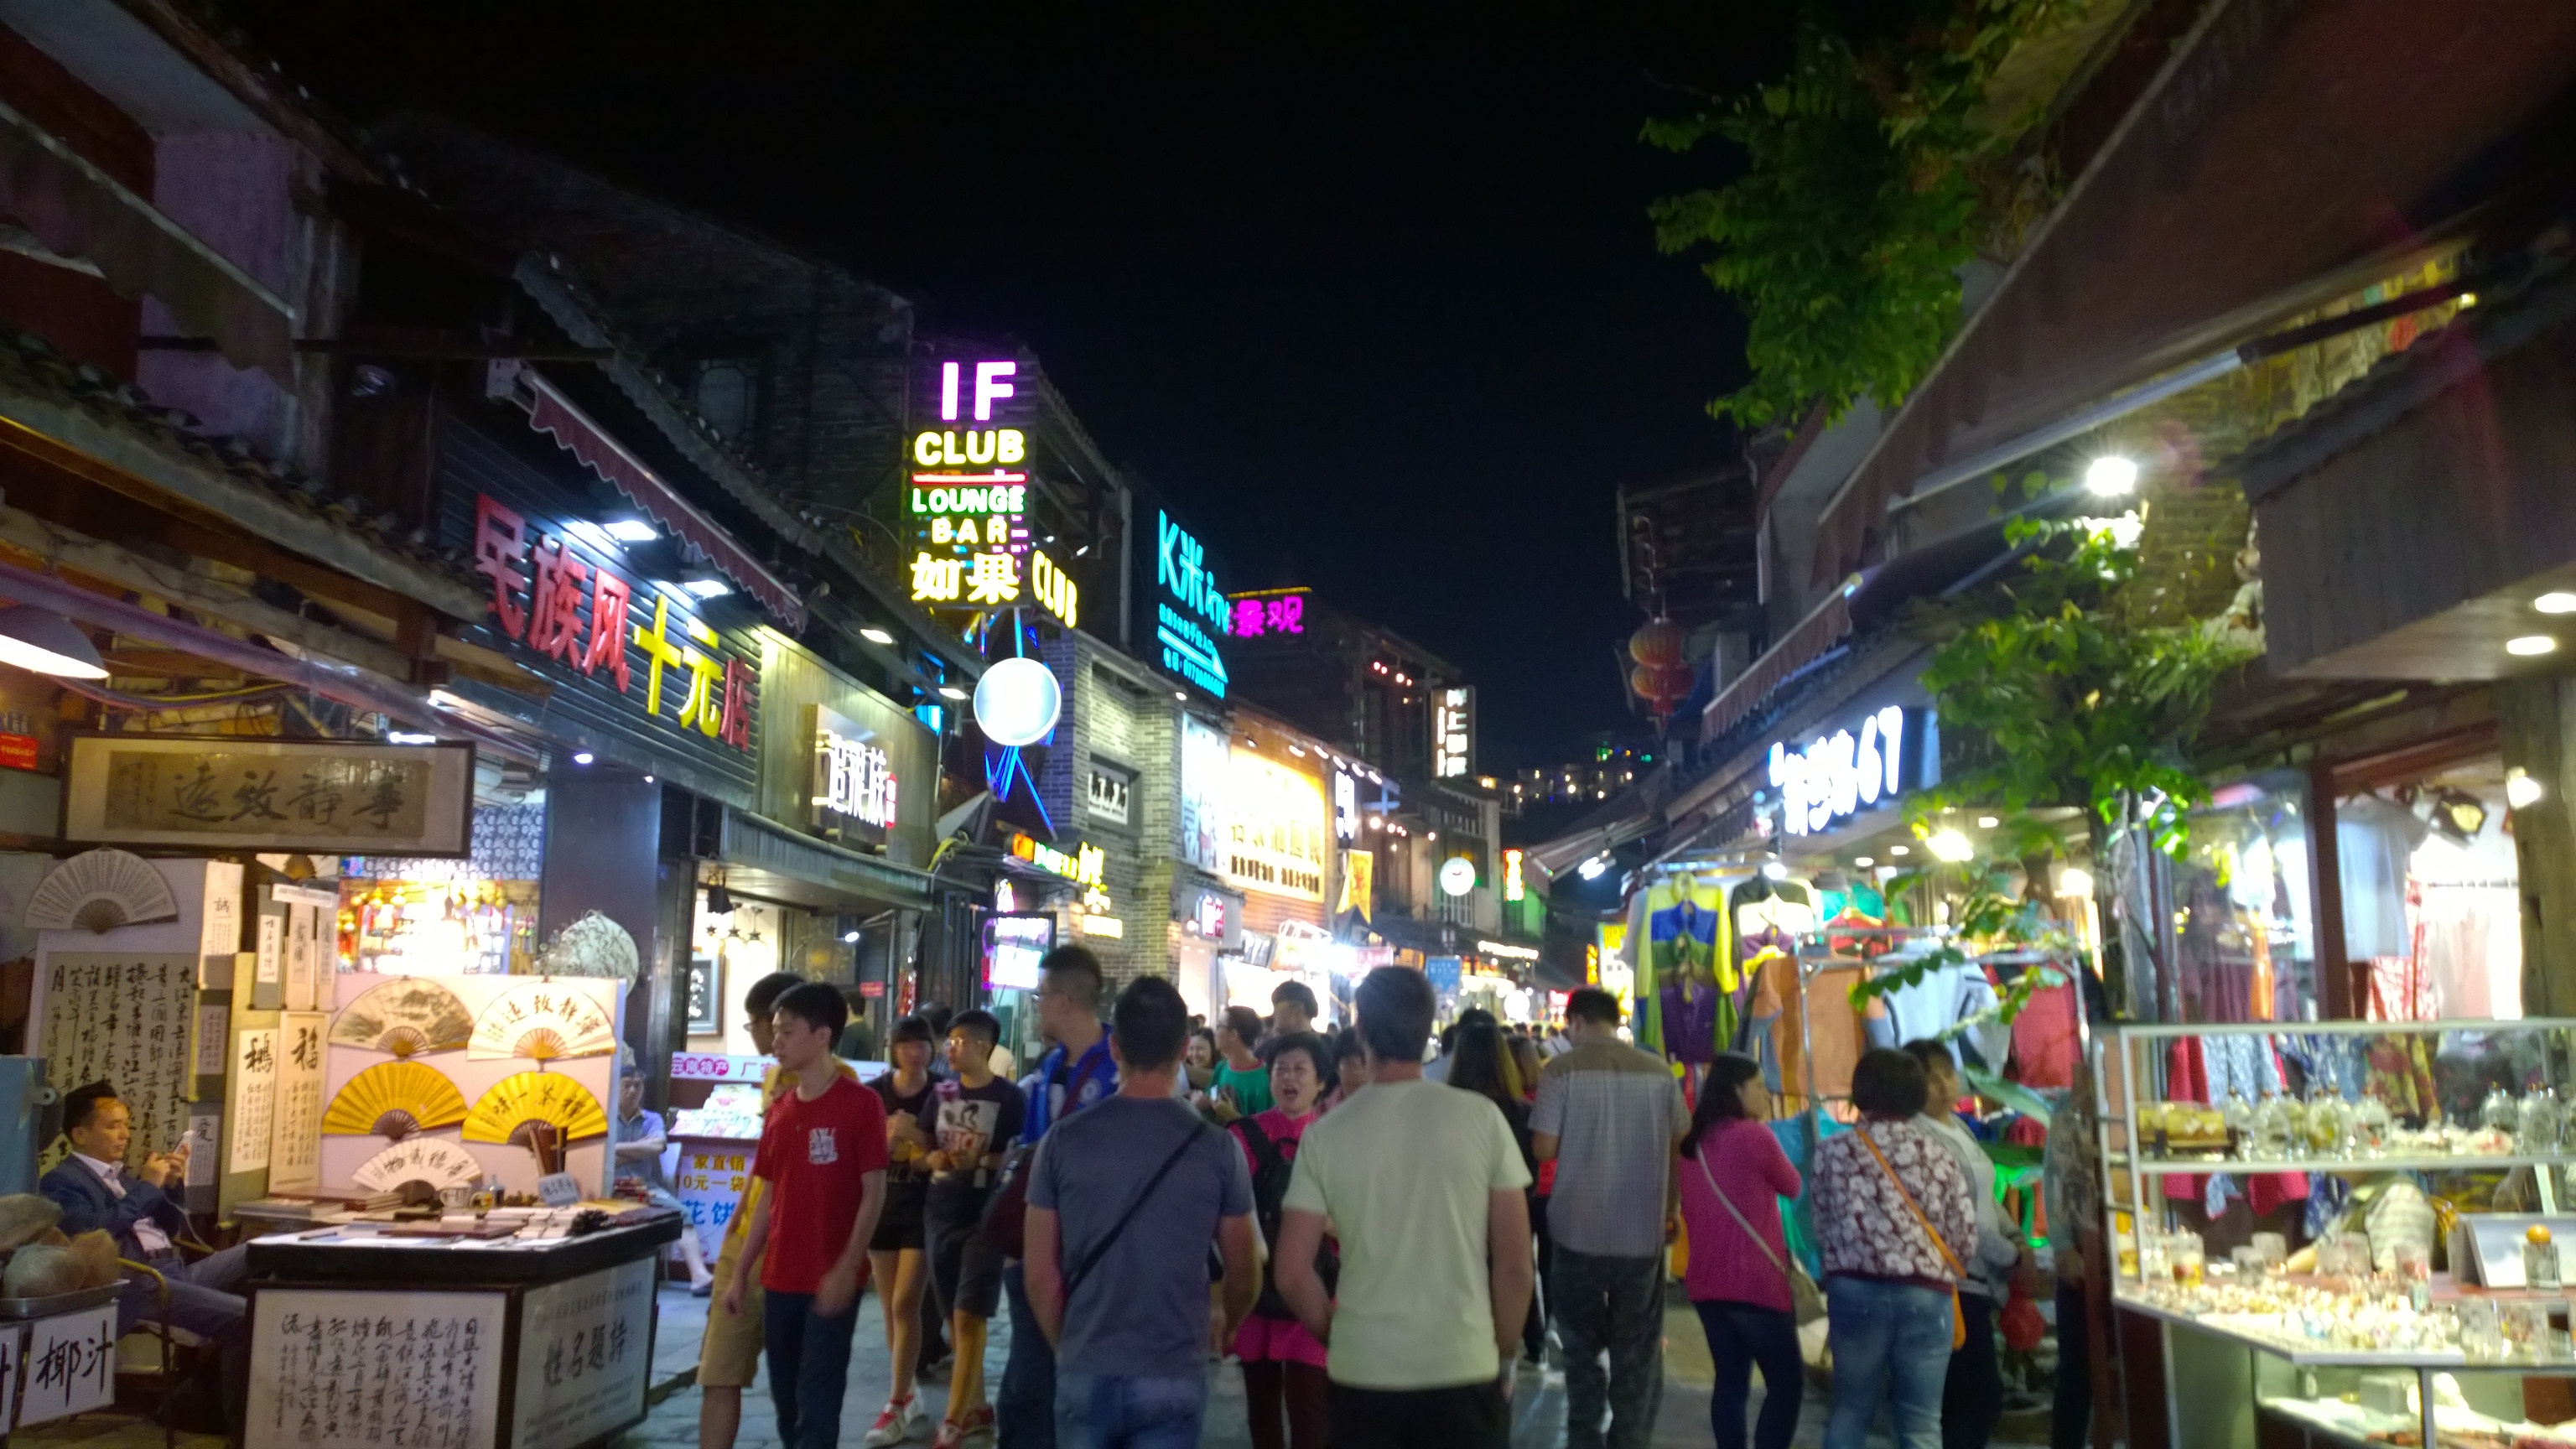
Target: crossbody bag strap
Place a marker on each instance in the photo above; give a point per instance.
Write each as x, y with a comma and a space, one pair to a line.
1728, 1203
1091, 1258
1911, 1206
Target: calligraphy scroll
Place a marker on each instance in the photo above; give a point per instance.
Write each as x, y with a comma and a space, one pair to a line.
376, 1370
585, 1346
71, 1365
324, 796
253, 1117
124, 1019
295, 1159
300, 959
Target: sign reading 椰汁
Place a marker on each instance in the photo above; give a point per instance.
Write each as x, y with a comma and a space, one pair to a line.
1857, 766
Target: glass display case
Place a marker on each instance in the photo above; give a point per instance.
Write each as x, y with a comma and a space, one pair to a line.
2443, 1323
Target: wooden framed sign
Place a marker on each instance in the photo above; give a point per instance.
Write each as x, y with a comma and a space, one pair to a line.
322, 796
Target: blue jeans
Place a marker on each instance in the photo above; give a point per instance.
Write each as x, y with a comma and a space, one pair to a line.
809, 1367
1742, 1337
1890, 1340
1128, 1411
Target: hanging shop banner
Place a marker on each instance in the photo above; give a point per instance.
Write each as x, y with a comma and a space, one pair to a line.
295, 1151
302, 795
635, 642
1359, 884
251, 1120
1867, 762
1205, 767
1277, 828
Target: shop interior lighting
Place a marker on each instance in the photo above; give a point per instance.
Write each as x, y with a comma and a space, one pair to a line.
1182, 695
875, 635
2111, 476
719, 900
2074, 881
45, 642
1591, 869
630, 530
1900, 850
648, 779
408, 737
2530, 644
705, 588
2557, 601
2520, 790
849, 938
1864, 861
950, 691
1775, 870
1952, 846
1987, 822
582, 757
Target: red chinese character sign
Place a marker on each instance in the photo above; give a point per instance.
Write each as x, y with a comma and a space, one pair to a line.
581, 614
1269, 612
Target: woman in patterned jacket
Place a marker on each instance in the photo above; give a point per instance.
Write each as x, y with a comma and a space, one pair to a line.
1894, 1221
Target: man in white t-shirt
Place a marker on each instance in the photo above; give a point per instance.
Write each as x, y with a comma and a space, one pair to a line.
1424, 1187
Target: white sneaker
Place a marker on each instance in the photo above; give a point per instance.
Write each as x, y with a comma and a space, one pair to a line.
901, 1419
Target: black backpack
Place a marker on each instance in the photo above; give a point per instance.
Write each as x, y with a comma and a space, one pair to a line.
1270, 1172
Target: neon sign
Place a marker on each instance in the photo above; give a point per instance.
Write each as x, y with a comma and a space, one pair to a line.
853, 776
1083, 866
1181, 571
1515, 885
1451, 728
1837, 775
1277, 613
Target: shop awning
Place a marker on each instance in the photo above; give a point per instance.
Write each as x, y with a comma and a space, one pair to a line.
769, 860
1806, 642
2229, 198
550, 412
85, 215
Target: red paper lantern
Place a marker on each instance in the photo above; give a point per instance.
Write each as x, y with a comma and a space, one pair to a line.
1657, 643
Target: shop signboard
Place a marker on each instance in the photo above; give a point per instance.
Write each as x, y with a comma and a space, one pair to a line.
1013, 946
1208, 914
854, 779
71, 1365
1453, 732
969, 493
1267, 613
1085, 865
1189, 611
635, 645
1446, 972
585, 1346
1277, 828
1865, 762
312, 796
1204, 781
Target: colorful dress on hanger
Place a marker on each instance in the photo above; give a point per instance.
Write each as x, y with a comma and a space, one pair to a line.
1685, 937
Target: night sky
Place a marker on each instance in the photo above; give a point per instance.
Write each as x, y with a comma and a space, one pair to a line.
1367, 290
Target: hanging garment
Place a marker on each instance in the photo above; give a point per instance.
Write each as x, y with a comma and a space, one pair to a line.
1835, 1029
2196, 1073
1944, 997
1682, 932
1645, 1012
2045, 1043
2373, 840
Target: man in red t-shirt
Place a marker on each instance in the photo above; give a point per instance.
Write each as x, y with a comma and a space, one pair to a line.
823, 1154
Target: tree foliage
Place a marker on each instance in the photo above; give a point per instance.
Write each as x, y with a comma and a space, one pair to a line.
1864, 193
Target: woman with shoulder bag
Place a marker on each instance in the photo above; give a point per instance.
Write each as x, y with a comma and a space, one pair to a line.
1733, 1174
1283, 1364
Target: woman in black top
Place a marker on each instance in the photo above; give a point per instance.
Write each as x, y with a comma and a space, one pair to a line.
1476, 1065
895, 1259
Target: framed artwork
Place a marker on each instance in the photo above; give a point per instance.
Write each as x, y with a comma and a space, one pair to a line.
706, 997
321, 796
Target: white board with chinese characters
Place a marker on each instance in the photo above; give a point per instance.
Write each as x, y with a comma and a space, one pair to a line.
376, 1370
70, 1365
585, 1351
420, 1055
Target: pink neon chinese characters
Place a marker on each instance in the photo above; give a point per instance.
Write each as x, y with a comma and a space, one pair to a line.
1247, 618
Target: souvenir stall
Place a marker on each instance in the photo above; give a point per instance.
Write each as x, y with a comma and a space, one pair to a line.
2416, 1298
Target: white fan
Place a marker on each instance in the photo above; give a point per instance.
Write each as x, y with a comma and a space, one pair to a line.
542, 1021
433, 1160
100, 890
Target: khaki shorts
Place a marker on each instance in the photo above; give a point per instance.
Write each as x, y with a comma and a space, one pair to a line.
729, 1354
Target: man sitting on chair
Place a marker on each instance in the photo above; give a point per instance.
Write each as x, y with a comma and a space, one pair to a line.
95, 1191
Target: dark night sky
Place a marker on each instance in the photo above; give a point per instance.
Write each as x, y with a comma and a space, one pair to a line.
1367, 290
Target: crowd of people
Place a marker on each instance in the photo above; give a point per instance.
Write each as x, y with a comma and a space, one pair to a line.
1376, 1236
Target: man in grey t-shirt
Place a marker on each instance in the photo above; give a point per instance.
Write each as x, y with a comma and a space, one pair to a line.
1609, 1116
1122, 1199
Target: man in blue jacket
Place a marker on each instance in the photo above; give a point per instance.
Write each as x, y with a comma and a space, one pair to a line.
95, 1190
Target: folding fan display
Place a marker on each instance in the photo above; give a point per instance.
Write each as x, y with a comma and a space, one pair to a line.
433, 1160
542, 1021
100, 890
406, 1016
396, 1099
515, 1102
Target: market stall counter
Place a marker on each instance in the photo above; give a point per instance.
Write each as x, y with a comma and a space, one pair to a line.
527, 1328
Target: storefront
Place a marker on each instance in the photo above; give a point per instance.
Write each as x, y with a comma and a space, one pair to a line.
1277, 851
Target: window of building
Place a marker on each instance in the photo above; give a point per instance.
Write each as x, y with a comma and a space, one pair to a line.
726, 393
1110, 795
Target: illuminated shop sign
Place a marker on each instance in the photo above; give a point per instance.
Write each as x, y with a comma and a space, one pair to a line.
968, 496
1346, 806
854, 779
1190, 606
1502, 951
1859, 766
563, 602
1273, 611
1275, 828
1014, 947
1515, 885
1084, 865
1453, 726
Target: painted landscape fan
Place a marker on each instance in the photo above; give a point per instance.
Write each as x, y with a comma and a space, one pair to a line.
516, 1103
406, 1016
394, 1099
433, 1160
100, 890
543, 1021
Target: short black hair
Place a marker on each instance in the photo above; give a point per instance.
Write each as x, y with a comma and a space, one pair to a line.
814, 1003
1149, 1023
1243, 1021
938, 1014
977, 1022
1927, 1051
911, 1028
82, 1103
1475, 1015
1298, 992
1887, 1082
1079, 966
762, 998
1348, 1045
1591, 1003
1309, 1043
1395, 1005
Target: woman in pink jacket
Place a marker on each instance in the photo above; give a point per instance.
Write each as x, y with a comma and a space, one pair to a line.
1733, 1175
